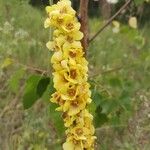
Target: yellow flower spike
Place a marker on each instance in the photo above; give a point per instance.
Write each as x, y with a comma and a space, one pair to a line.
47, 23
70, 76
50, 45
57, 57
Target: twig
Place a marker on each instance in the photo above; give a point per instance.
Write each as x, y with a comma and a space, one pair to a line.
110, 20
34, 69
107, 71
112, 70
111, 127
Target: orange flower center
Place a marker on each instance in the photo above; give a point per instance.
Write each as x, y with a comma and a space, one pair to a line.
63, 10
60, 21
70, 26
75, 103
72, 92
73, 74
79, 131
72, 54
69, 39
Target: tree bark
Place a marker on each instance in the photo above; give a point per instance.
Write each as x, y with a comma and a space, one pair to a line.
83, 14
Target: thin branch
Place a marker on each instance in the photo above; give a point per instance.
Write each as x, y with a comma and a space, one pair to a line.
107, 71
110, 20
110, 127
34, 69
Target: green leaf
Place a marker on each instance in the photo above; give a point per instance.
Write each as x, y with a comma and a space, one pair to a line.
116, 82
49, 91
108, 106
115, 120
56, 118
42, 86
97, 97
100, 119
30, 94
125, 100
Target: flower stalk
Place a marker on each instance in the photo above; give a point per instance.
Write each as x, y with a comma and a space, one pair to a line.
70, 76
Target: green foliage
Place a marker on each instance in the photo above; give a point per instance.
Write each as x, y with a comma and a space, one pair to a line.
42, 86
57, 120
30, 94
34, 89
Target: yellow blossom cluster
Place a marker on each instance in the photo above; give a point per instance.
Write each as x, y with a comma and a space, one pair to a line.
70, 76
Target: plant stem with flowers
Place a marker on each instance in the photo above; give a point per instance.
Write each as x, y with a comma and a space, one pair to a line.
70, 76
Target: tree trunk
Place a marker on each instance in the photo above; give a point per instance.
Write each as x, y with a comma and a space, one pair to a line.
84, 22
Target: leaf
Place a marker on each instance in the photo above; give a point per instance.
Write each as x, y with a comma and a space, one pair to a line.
49, 91
42, 86
133, 22
97, 97
108, 106
115, 82
30, 94
57, 120
115, 120
125, 100
100, 119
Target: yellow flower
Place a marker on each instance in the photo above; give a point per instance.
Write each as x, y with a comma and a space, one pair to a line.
60, 83
73, 107
80, 132
85, 119
69, 92
65, 7
56, 98
68, 120
56, 44
72, 145
47, 23
75, 73
57, 57
49, 9
68, 146
89, 142
71, 26
73, 51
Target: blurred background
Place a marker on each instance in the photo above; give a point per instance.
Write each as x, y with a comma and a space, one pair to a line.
119, 73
